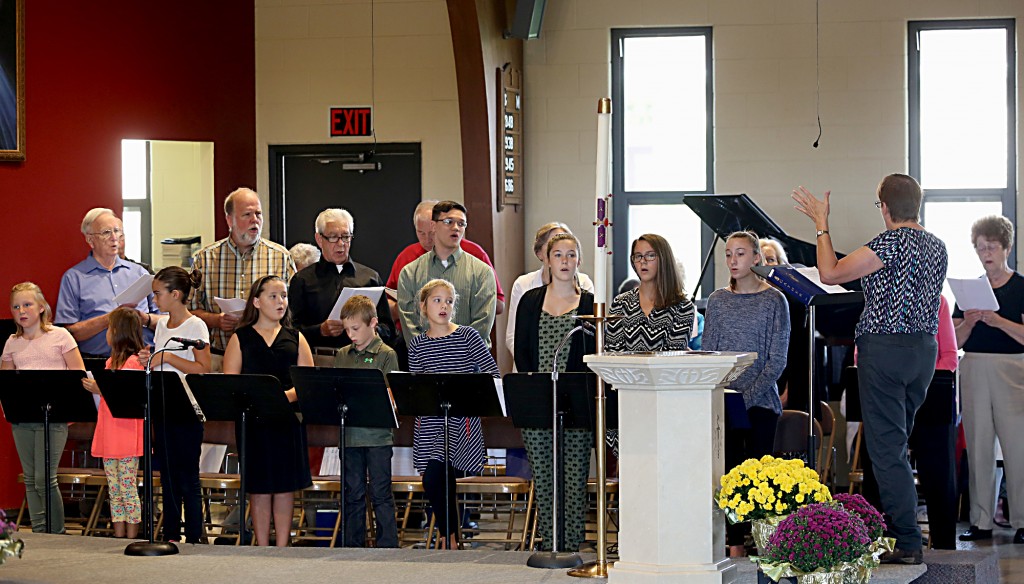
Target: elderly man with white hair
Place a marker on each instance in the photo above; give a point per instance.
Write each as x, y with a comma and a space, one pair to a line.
231, 265
314, 290
88, 289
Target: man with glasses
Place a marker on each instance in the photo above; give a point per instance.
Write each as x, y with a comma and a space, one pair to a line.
231, 265
88, 289
423, 222
474, 281
315, 289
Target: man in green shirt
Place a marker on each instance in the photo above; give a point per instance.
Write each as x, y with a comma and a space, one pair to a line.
368, 451
472, 278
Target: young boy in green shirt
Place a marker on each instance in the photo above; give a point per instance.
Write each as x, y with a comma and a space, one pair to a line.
367, 450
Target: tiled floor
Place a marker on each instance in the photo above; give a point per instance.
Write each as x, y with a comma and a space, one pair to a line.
1011, 557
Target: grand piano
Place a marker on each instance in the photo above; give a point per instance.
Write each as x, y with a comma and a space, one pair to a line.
834, 324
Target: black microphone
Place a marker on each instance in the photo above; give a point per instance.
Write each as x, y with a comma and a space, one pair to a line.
197, 343
588, 327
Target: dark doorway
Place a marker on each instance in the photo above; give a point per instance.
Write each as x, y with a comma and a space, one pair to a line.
306, 179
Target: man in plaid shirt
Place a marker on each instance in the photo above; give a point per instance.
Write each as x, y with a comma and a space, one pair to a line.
231, 265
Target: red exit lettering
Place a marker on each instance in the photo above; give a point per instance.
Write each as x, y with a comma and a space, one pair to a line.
351, 121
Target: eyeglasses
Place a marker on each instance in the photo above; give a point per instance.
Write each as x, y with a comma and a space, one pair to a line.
337, 238
449, 222
988, 247
645, 257
108, 233
878, 204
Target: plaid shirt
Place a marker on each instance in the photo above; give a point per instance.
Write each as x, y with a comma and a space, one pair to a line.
227, 273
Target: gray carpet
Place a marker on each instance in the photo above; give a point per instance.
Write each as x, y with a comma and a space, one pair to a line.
95, 560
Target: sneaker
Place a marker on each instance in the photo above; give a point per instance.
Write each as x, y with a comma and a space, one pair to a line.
898, 556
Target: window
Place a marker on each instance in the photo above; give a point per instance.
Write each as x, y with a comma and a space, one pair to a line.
135, 196
662, 143
963, 128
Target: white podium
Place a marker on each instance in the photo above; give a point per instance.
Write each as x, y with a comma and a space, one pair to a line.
671, 436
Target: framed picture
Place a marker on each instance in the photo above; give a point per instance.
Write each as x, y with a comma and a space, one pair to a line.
12, 79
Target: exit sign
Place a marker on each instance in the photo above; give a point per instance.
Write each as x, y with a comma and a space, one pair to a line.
351, 121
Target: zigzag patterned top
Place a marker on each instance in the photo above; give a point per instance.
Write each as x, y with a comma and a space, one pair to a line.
903, 296
666, 329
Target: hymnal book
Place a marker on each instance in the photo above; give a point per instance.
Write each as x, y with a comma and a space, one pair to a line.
801, 283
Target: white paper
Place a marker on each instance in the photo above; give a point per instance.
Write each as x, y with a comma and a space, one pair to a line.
501, 395
373, 293
812, 275
137, 292
973, 293
230, 305
392, 293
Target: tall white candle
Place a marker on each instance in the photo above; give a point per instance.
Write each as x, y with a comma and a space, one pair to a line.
602, 192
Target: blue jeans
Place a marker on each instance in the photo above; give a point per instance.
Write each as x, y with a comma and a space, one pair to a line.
894, 372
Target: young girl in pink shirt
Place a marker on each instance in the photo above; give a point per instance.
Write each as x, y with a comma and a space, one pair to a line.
38, 344
118, 441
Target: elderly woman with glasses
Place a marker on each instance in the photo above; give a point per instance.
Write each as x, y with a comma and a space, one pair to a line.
88, 289
657, 315
992, 381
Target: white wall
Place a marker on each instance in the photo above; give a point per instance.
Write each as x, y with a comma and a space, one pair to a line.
182, 183
764, 100
313, 54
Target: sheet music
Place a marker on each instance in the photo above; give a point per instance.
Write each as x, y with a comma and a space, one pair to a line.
95, 396
973, 293
373, 293
812, 275
135, 293
230, 305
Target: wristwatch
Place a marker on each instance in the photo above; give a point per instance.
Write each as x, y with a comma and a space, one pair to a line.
821, 232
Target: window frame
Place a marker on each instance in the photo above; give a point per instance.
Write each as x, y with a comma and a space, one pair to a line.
1007, 195
621, 199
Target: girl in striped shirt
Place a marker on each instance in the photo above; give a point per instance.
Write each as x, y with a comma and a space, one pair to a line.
446, 347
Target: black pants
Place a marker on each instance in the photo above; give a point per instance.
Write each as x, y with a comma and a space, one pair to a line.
741, 444
434, 487
936, 470
177, 448
375, 462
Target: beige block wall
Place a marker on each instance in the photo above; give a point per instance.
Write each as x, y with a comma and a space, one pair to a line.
764, 97
313, 54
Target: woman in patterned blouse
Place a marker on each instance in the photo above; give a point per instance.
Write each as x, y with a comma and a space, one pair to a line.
902, 271
656, 316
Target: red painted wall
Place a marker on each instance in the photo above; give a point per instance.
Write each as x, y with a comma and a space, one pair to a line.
97, 73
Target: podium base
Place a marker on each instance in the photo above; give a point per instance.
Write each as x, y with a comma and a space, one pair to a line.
149, 548
554, 561
596, 569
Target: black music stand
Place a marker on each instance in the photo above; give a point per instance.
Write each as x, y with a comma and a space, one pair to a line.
33, 396
132, 394
446, 395
241, 399
342, 397
530, 404
812, 303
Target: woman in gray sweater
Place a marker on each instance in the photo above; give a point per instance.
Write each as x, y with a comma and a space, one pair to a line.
749, 315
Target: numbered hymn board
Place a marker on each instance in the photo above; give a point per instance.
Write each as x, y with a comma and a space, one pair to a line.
510, 137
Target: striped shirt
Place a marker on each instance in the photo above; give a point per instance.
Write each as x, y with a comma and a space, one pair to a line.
474, 285
463, 351
227, 273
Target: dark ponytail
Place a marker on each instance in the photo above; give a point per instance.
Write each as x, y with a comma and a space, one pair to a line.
178, 278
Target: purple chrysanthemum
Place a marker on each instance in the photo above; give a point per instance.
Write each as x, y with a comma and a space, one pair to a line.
858, 505
818, 536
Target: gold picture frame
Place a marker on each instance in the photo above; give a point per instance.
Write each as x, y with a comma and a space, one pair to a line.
12, 80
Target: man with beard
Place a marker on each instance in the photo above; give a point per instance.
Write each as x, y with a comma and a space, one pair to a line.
231, 265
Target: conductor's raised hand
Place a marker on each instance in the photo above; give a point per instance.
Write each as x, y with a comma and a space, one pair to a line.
815, 208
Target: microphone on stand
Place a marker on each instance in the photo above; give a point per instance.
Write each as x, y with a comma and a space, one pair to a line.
588, 327
197, 343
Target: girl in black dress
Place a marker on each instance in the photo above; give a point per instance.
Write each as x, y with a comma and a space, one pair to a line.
277, 463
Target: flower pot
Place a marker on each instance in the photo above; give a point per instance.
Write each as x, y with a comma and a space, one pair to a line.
836, 577
762, 530
763, 579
